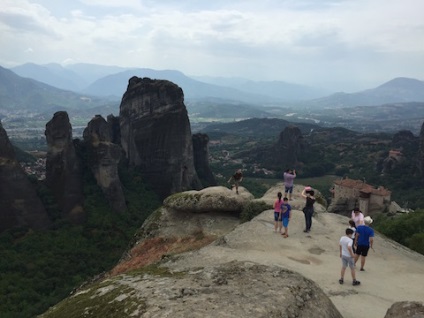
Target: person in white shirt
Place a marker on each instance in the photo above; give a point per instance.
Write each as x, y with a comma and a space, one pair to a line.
347, 256
357, 217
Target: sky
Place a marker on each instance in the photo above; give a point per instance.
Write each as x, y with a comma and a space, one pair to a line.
340, 45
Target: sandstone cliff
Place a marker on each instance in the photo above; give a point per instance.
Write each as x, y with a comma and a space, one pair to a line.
19, 203
103, 159
156, 135
63, 173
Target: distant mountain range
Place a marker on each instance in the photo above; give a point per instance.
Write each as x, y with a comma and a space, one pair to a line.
18, 93
38, 86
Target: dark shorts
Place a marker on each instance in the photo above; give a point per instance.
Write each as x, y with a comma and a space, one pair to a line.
362, 250
289, 189
276, 216
285, 222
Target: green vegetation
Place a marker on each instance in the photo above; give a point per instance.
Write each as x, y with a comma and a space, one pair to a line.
253, 209
38, 269
406, 229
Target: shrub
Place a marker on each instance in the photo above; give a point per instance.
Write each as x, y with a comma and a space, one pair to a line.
252, 209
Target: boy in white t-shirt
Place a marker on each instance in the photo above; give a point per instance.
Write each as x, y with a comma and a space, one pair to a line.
347, 256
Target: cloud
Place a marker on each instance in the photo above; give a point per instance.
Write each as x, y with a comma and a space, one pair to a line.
270, 39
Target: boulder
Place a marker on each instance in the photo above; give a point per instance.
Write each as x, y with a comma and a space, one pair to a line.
63, 171
406, 309
103, 159
234, 289
156, 135
218, 198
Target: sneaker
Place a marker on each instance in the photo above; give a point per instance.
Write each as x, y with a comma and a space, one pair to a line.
356, 283
341, 281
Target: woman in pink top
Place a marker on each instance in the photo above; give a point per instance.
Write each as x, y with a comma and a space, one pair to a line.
357, 217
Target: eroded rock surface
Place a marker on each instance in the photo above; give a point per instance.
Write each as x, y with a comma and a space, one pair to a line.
406, 309
19, 203
156, 135
104, 157
235, 289
63, 171
201, 159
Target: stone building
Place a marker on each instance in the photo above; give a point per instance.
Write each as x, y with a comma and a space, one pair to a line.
349, 193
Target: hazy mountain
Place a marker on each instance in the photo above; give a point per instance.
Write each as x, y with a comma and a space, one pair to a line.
52, 74
398, 90
277, 89
18, 93
116, 84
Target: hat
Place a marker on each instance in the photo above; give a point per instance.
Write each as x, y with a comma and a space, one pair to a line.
368, 220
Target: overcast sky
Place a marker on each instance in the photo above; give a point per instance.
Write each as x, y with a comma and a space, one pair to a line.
342, 45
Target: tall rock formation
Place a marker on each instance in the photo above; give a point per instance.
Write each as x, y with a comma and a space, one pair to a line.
156, 135
63, 172
289, 146
103, 159
201, 159
421, 153
19, 203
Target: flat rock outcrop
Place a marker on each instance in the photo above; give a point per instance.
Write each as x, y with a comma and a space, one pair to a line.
19, 203
156, 135
103, 159
235, 289
186, 264
218, 199
63, 171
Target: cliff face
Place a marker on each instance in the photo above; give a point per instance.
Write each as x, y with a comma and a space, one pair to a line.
104, 157
19, 203
201, 159
156, 135
421, 153
63, 173
290, 144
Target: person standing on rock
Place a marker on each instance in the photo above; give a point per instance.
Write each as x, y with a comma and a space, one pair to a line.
289, 176
357, 217
308, 210
347, 256
285, 216
277, 213
237, 177
364, 241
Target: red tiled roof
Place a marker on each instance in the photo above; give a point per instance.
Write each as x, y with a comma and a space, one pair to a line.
362, 186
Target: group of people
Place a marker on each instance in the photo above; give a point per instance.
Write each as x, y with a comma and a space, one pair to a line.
355, 244
282, 209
